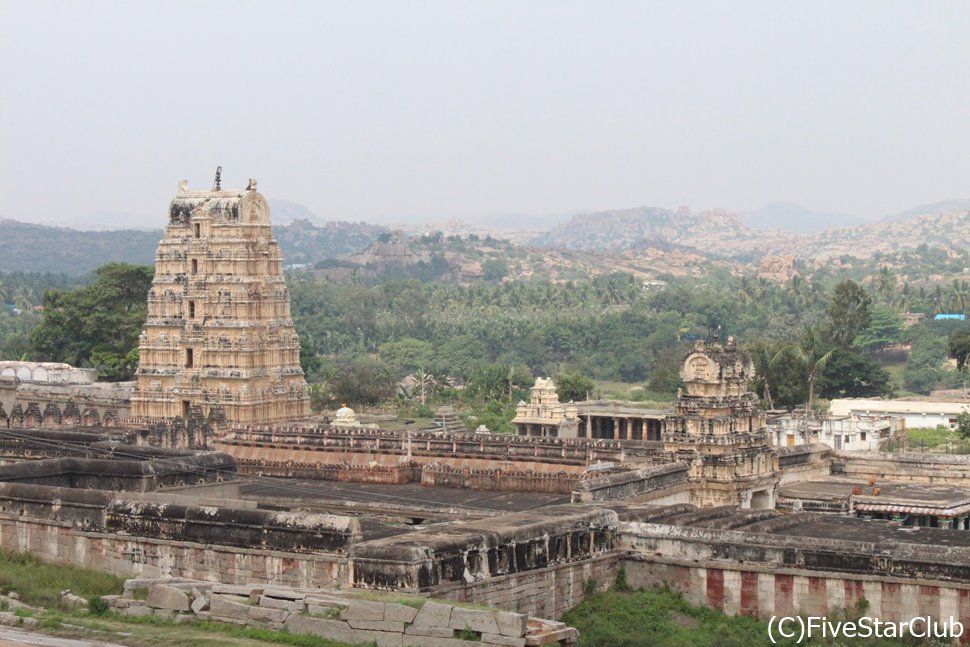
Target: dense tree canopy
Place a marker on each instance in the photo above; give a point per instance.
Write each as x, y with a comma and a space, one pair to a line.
98, 325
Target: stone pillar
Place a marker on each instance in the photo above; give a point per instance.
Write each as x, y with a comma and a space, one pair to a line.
616, 428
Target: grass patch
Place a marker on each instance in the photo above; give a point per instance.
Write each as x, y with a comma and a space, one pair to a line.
40, 584
661, 618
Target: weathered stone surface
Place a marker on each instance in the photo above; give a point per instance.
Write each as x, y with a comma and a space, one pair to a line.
137, 610
201, 603
510, 624
434, 614
363, 610
235, 589
224, 607
327, 601
292, 605
483, 621
399, 612
265, 615
331, 629
377, 625
505, 641
161, 596
283, 594
379, 638
438, 632
430, 641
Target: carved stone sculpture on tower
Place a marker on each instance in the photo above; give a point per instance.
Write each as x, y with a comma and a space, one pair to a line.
219, 333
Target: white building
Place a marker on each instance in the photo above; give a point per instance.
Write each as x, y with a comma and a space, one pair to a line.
914, 413
845, 433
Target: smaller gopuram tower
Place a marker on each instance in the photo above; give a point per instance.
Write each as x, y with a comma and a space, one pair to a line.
219, 332
718, 429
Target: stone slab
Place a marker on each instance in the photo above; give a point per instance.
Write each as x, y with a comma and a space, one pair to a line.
363, 610
505, 641
284, 594
434, 614
162, 596
201, 603
399, 612
511, 624
227, 608
137, 610
430, 641
437, 632
377, 625
474, 619
293, 606
331, 629
265, 615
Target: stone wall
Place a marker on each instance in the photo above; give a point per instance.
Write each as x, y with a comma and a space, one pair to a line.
422, 447
756, 545
762, 591
50, 405
804, 462
499, 479
64, 542
121, 475
547, 592
634, 483
483, 550
953, 469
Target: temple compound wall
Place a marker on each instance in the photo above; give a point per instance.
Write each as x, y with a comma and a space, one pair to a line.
764, 575
56, 404
55, 509
219, 331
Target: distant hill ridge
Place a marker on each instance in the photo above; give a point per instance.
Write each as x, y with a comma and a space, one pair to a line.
40, 248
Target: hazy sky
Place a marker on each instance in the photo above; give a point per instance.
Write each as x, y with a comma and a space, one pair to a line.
385, 111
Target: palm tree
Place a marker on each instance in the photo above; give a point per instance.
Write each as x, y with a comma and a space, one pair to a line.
809, 351
24, 298
886, 283
961, 294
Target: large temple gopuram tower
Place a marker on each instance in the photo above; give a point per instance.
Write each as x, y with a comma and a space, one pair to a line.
219, 332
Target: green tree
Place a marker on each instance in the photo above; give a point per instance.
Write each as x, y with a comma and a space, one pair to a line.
405, 355
884, 329
573, 387
849, 312
98, 325
494, 269
850, 374
361, 380
963, 425
812, 352
958, 345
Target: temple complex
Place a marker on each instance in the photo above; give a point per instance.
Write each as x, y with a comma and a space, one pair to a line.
219, 333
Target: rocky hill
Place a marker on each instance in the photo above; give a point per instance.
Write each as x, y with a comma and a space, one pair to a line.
717, 235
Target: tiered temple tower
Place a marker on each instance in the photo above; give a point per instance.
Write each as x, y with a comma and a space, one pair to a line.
219, 334
719, 430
